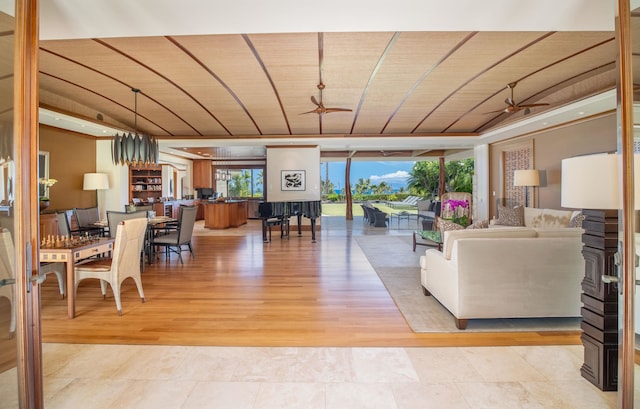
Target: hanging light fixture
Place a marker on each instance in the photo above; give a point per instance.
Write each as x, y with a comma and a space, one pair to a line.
134, 149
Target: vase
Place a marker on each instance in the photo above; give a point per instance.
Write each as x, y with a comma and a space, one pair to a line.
44, 204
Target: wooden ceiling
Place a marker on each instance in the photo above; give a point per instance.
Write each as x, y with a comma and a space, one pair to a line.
407, 94
396, 84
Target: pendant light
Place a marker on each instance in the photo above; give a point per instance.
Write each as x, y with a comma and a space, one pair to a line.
134, 149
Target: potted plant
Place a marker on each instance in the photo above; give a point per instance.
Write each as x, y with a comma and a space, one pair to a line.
44, 199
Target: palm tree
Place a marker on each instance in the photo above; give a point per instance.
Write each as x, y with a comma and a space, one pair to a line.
327, 186
363, 186
382, 188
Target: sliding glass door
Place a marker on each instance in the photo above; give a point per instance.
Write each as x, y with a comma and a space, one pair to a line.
20, 344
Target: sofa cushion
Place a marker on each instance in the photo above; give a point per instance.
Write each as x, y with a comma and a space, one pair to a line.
480, 224
446, 225
560, 232
510, 216
507, 232
577, 219
546, 218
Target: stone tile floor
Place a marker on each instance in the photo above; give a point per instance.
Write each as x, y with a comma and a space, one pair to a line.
139, 376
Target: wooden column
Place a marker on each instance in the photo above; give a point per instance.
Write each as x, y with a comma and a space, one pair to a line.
347, 188
442, 181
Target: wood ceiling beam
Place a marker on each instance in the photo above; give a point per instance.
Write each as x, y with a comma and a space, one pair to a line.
324, 136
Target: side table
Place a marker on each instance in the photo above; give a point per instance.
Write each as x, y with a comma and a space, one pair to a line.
432, 238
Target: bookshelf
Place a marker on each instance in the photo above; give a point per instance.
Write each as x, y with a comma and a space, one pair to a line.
145, 183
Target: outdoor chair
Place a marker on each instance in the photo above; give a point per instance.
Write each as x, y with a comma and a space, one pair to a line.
124, 261
376, 217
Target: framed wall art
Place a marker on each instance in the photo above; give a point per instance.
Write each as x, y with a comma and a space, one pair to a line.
292, 180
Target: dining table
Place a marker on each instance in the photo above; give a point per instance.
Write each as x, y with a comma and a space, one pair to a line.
70, 251
155, 225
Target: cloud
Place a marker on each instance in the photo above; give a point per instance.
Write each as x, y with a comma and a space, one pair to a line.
398, 176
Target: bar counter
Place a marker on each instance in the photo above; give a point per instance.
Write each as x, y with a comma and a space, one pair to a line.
222, 215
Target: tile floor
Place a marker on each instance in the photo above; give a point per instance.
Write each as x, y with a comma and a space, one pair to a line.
124, 376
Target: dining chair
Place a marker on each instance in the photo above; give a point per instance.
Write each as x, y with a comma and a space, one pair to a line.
181, 236
137, 207
85, 219
64, 228
124, 262
113, 220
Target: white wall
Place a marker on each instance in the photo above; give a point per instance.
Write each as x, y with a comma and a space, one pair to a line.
481, 182
118, 194
305, 158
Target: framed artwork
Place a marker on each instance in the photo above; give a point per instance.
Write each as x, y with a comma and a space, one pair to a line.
292, 180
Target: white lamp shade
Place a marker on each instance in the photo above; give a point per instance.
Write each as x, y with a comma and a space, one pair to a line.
592, 181
95, 181
526, 177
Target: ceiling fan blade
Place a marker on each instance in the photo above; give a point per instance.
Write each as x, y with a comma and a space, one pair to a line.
532, 105
503, 110
315, 101
314, 111
509, 101
327, 110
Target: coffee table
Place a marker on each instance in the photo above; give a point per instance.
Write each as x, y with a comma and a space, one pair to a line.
431, 238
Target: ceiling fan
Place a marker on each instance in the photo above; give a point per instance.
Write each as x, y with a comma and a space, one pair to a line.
512, 106
320, 108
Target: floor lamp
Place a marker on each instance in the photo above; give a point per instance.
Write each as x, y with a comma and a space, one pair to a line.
526, 178
96, 181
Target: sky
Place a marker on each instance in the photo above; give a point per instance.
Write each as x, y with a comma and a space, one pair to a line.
395, 173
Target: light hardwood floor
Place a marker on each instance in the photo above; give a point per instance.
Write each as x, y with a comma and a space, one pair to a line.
241, 292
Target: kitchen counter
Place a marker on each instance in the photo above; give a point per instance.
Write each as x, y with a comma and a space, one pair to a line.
223, 215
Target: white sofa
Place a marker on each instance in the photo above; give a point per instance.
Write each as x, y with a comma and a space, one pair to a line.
508, 272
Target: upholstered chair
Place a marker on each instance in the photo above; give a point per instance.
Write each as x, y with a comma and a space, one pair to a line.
124, 262
175, 240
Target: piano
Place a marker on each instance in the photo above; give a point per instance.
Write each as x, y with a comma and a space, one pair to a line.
278, 213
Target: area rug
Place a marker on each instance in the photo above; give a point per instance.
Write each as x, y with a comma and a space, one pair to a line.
399, 270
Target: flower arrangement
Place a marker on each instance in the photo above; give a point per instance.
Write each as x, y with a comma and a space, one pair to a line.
457, 211
47, 183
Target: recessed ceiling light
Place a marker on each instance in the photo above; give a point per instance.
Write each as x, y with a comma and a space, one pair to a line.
581, 113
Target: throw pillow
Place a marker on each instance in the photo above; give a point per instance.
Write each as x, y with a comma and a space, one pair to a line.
482, 224
510, 216
576, 221
446, 225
